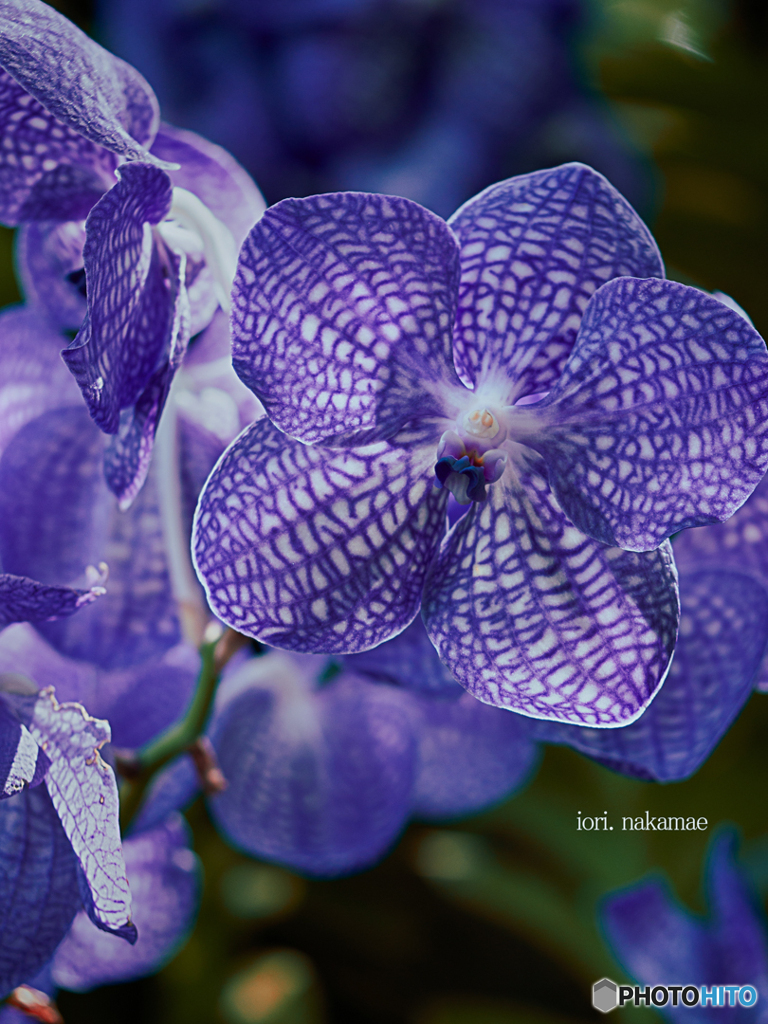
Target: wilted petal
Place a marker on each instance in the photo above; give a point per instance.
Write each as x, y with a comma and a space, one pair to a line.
723, 633
49, 261
319, 779
534, 250
26, 600
84, 792
165, 880
38, 886
408, 660
530, 614
57, 516
316, 550
660, 419
130, 311
213, 175
343, 307
22, 762
77, 81
470, 755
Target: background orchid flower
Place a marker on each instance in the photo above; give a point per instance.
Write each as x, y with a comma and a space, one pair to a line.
390, 349
324, 766
429, 102
659, 941
157, 259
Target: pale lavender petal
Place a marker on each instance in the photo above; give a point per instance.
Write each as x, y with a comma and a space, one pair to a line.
33, 377
319, 779
93, 92
343, 306
49, 261
48, 171
534, 250
660, 419
22, 762
214, 176
316, 550
26, 600
530, 614
84, 792
165, 879
38, 886
130, 311
723, 633
408, 660
57, 516
470, 755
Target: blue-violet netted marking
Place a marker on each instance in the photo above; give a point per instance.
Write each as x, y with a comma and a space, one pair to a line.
528, 358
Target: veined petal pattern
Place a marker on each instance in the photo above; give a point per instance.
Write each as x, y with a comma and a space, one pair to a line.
530, 614
660, 419
315, 550
534, 250
343, 307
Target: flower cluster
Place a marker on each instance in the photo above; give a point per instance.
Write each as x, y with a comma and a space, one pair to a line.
498, 421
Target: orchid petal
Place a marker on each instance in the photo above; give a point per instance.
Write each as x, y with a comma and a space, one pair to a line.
26, 600
173, 788
318, 779
723, 633
470, 755
530, 614
77, 81
57, 516
165, 877
343, 307
84, 792
407, 660
48, 171
49, 261
38, 886
534, 250
660, 419
130, 315
315, 550
213, 175
737, 923
32, 376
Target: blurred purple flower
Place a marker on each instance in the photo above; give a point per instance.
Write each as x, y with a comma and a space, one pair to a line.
428, 101
660, 942
389, 349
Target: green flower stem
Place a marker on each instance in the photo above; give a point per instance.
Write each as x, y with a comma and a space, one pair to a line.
138, 769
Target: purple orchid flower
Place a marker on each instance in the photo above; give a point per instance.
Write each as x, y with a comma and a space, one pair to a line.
324, 766
157, 253
401, 359
660, 942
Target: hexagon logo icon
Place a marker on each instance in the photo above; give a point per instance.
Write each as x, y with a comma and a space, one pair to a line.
605, 995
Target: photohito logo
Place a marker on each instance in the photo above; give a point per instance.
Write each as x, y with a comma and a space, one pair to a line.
607, 995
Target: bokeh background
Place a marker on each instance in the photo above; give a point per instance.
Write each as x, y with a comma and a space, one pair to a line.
492, 919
